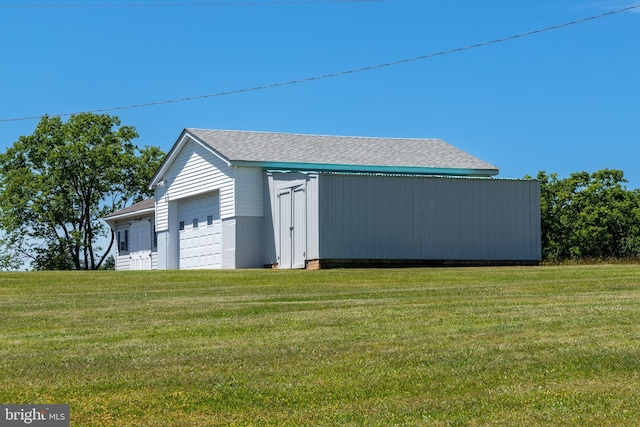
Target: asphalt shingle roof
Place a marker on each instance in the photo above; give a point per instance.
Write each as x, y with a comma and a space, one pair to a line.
339, 150
140, 206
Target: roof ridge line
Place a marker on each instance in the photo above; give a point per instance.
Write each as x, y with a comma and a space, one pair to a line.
320, 135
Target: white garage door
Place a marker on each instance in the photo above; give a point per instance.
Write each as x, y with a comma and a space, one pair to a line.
200, 232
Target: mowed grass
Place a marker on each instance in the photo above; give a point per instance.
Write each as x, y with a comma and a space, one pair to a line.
434, 347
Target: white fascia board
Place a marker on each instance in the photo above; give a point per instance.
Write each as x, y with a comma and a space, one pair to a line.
168, 160
134, 214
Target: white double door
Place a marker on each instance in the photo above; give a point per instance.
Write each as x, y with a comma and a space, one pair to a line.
292, 213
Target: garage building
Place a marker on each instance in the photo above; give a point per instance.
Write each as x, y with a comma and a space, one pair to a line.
239, 199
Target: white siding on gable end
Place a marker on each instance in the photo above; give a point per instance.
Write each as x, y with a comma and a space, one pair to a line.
249, 191
196, 170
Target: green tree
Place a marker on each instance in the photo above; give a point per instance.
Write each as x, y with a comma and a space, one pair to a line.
109, 263
57, 184
589, 216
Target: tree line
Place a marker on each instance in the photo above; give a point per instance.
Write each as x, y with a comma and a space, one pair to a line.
58, 184
589, 216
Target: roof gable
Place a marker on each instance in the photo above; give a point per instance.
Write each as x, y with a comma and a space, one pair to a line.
184, 138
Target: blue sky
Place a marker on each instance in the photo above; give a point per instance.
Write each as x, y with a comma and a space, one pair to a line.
562, 101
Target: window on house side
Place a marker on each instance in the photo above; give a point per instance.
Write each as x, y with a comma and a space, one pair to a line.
210, 220
195, 222
123, 240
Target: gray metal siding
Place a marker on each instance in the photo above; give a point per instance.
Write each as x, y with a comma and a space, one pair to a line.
312, 217
269, 236
249, 192
249, 242
425, 218
229, 243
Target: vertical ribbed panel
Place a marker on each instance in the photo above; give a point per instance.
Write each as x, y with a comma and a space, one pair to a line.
423, 218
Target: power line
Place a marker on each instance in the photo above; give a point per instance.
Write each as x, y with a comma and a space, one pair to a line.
241, 3
342, 73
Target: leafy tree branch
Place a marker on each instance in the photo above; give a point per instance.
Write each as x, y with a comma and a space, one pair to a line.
57, 184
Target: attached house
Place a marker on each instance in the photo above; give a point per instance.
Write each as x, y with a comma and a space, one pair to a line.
238, 199
136, 245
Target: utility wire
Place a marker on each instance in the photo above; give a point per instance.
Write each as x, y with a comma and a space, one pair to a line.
342, 73
241, 3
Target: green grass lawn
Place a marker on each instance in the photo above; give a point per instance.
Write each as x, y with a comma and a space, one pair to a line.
436, 347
